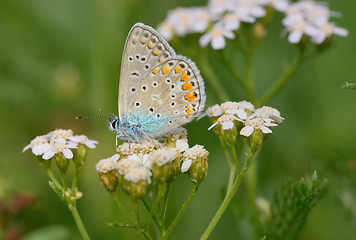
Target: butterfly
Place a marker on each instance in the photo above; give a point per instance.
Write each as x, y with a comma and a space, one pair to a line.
158, 90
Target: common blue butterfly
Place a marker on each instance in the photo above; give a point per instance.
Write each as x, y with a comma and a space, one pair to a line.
158, 91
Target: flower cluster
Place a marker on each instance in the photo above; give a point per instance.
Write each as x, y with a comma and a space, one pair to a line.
311, 19
136, 163
59, 141
221, 19
230, 114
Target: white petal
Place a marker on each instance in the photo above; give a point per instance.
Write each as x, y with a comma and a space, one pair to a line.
47, 155
116, 157
40, 149
241, 114
67, 153
182, 145
229, 34
295, 36
341, 31
204, 40
247, 131
186, 165
227, 125
90, 144
26, 147
265, 129
218, 42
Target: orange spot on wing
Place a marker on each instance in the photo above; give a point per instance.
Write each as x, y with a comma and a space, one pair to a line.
165, 70
178, 70
188, 106
155, 52
150, 45
143, 41
184, 77
189, 115
190, 110
187, 86
161, 59
190, 96
154, 71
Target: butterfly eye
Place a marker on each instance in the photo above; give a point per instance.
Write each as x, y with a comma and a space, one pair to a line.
113, 124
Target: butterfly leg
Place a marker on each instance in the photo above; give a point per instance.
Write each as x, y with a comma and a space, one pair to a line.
150, 139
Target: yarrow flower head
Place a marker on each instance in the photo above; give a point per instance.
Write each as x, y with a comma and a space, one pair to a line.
311, 19
177, 139
60, 141
195, 163
243, 116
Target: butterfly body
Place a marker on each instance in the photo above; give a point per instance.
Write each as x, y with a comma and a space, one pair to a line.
158, 92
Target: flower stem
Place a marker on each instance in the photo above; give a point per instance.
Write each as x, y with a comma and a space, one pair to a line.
161, 190
180, 213
78, 221
53, 178
227, 199
149, 209
122, 208
283, 79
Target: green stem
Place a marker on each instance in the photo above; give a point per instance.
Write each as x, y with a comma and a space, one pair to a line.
53, 178
165, 205
283, 79
78, 221
75, 180
236, 158
227, 199
251, 184
149, 209
181, 211
161, 190
122, 208
226, 151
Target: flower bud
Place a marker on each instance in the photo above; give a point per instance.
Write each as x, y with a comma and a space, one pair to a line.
62, 162
134, 183
79, 155
108, 170
255, 140
196, 163
165, 164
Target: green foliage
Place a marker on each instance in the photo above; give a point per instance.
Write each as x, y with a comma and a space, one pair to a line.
291, 206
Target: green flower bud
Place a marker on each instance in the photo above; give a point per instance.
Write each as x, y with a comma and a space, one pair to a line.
134, 183
79, 155
61, 161
196, 163
165, 164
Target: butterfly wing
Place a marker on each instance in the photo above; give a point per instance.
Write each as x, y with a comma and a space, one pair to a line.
144, 49
170, 95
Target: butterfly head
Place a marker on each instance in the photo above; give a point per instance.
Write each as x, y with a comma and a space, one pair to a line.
113, 124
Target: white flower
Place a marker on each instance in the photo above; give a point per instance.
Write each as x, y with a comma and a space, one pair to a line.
268, 114
108, 164
226, 121
237, 108
214, 111
326, 30
219, 7
202, 19
84, 140
165, 28
60, 145
39, 145
195, 152
130, 162
136, 174
250, 8
182, 145
60, 134
256, 123
312, 19
164, 155
216, 36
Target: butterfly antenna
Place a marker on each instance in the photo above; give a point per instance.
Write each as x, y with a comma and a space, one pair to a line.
101, 110
80, 117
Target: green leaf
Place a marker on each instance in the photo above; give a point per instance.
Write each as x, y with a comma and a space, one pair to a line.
291, 206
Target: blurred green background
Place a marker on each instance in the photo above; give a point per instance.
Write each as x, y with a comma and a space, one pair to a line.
61, 58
